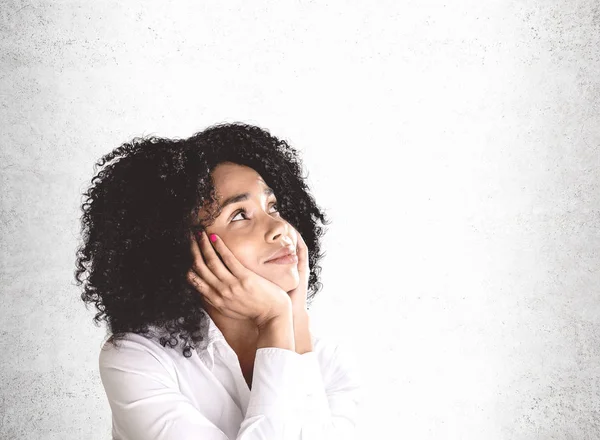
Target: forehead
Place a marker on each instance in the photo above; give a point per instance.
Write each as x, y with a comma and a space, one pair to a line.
230, 178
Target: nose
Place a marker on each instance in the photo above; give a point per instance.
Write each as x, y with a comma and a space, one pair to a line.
277, 228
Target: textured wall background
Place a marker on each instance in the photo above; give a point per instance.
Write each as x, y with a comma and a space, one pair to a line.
454, 145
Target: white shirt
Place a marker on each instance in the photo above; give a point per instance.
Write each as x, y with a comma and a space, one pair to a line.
155, 393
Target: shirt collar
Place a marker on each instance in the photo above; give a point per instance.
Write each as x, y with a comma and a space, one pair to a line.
214, 333
214, 338
206, 347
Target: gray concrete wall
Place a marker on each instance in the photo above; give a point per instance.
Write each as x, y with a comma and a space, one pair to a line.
454, 145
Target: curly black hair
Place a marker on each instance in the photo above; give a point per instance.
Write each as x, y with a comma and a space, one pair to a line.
138, 213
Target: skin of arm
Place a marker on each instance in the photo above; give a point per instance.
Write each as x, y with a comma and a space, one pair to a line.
277, 332
302, 334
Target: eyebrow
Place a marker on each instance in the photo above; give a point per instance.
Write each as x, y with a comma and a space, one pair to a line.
241, 197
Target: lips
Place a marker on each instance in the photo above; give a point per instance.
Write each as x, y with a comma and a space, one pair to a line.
282, 253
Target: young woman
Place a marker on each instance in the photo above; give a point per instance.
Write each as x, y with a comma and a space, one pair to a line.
201, 255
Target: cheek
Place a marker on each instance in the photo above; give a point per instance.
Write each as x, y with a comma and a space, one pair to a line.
245, 253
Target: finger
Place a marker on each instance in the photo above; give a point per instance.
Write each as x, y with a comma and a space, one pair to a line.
210, 296
234, 265
194, 247
201, 286
301, 244
301, 250
212, 260
200, 267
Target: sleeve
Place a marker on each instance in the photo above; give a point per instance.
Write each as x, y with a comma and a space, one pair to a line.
146, 403
333, 392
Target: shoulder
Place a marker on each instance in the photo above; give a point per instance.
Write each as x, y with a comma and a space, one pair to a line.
136, 353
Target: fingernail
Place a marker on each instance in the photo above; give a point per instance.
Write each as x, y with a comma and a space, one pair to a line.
213, 237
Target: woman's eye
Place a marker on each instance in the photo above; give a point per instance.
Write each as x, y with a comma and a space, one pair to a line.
240, 211
243, 211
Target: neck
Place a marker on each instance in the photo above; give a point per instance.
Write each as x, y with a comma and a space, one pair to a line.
240, 334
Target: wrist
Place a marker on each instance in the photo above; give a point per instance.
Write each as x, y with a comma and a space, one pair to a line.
299, 310
302, 334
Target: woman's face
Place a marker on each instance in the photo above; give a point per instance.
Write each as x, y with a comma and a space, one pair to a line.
256, 234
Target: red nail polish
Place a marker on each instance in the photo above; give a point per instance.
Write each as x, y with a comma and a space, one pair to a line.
213, 237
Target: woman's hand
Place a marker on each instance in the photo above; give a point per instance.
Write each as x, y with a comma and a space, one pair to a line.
298, 295
302, 335
230, 287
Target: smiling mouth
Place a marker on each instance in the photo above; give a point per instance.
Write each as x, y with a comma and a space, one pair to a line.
286, 259
282, 252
